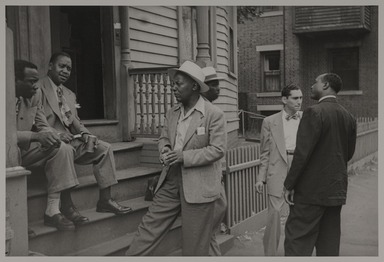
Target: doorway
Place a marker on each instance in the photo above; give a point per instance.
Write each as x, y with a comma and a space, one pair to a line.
77, 30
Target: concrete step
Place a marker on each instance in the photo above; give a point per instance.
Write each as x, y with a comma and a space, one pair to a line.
132, 184
102, 228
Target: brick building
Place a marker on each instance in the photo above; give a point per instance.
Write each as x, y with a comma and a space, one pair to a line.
295, 44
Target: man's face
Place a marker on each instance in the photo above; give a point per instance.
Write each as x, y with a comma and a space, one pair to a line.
27, 86
293, 102
214, 90
60, 70
317, 88
183, 88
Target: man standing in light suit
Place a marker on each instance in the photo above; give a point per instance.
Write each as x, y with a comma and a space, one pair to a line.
278, 142
191, 145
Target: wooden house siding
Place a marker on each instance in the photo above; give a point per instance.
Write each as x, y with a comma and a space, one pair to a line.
153, 36
228, 95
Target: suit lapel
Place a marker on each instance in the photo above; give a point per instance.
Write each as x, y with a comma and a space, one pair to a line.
278, 135
51, 97
173, 125
195, 122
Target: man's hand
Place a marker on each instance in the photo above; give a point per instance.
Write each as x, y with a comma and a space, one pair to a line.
47, 139
65, 137
259, 186
288, 196
173, 157
163, 153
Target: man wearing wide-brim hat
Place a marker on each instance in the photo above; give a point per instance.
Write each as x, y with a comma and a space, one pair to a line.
192, 142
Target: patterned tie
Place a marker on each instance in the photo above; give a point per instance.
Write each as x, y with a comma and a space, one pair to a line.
64, 108
18, 103
294, 116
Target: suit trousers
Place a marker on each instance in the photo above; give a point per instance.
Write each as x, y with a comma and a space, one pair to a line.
272, 231
58, 165
218, 216
310, 226
168, 203
102, 160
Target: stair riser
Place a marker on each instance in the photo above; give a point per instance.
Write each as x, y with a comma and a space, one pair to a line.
60, 243
87, 197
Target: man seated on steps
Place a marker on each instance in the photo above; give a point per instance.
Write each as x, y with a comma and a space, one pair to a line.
38, 144
59, 105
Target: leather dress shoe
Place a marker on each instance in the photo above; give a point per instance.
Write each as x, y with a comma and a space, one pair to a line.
72, 214
59, 221
112, 206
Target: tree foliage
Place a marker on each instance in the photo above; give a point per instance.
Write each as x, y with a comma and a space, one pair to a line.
247, 13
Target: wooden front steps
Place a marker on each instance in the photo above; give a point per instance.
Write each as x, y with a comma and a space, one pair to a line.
106, 234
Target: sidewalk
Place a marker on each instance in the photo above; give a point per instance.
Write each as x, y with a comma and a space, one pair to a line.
359, 220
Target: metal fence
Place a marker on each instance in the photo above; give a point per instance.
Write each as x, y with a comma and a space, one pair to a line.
367, 138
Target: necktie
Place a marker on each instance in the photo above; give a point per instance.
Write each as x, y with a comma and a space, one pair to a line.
64, 108
18, 102
294, 116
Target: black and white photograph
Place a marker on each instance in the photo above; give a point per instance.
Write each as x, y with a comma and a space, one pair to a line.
193, 129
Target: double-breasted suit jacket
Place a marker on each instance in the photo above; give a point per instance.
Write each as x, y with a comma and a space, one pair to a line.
204, 146
52, 110
273, 155
102, 158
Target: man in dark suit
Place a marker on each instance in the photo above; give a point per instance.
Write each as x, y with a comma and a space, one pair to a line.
60, 109
191, 145
316, 185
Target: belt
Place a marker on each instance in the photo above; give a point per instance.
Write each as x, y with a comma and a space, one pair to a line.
290, 152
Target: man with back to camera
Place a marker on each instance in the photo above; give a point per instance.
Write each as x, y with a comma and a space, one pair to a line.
212, 81
60, 110
317, 182
278, 142
191, 145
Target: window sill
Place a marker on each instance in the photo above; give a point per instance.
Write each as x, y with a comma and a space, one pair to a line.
351, 93
100, 122
269, 94
271, 13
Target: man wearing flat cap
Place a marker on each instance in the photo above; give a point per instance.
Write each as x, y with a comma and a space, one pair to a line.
192, 142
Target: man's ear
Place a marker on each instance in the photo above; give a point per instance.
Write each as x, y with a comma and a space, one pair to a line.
50, 65
284, 99
326, 86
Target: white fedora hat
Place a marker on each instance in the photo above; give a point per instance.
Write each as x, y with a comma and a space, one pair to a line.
192, 70
210, 74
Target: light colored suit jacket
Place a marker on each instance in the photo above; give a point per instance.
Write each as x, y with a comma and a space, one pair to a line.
273, 157
52, 110
30, 119
201, 169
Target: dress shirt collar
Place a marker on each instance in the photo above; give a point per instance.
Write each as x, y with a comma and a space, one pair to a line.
285, 114
324, 97
199, 106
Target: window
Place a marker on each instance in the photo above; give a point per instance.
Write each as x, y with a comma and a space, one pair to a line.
345, 63
232, 45
271, 71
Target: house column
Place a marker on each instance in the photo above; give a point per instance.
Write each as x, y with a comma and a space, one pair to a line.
127, 83
203, 57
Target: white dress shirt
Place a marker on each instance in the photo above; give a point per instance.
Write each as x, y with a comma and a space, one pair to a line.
290, 131
184, 121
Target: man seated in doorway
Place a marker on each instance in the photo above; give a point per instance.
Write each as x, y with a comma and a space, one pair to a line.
212, 81
38, 144
60, 110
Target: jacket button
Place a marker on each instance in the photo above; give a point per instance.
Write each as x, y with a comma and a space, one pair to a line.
21, 118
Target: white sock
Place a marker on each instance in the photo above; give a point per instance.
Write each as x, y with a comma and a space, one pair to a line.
53, 203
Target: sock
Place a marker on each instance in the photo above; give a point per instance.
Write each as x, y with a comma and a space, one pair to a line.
66, 199
53, 203
105, 194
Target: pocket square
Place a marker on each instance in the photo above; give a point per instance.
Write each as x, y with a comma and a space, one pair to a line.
201, 131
